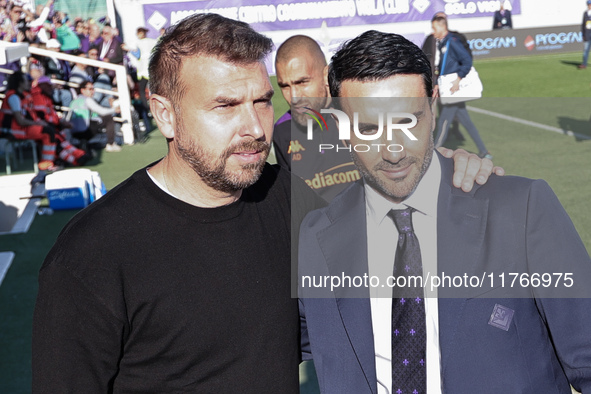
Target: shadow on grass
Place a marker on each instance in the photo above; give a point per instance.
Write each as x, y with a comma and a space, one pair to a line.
580, 127
570, 63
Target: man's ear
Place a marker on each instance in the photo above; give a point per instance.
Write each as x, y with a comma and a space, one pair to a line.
325, 76
162, 111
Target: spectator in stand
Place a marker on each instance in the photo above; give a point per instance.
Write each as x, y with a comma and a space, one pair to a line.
43, 109
103, 82
94, 34
145, 45
46, 32
82, 31
78, 76
79, 72
68, 40
13, 26
31, 37
55, 67
79, 26
110, 47
586, 30
3, 11
36, 69
40, 16
58, 69
42, 96
502, 19
93, 55
88, 116
14, 120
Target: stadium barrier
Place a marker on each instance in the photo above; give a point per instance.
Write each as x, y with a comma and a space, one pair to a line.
525, 42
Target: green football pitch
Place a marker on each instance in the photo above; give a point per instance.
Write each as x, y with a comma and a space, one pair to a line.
534, 119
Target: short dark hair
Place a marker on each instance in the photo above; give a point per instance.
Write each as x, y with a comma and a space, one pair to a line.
374, 56
83, 85
202, 35
439, 19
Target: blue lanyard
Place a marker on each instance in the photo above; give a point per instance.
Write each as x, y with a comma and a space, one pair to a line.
445, 56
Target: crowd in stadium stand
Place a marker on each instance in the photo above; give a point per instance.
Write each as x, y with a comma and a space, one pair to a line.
86, 108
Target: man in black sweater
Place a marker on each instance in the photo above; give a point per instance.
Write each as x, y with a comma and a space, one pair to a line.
178, 280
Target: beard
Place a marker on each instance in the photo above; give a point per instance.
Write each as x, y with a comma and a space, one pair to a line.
399, 189
213, 169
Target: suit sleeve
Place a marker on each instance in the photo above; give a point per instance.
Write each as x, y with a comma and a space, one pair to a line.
306, 352
554, 246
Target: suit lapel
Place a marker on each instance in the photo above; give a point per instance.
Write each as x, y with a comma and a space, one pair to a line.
461, 225
344, 245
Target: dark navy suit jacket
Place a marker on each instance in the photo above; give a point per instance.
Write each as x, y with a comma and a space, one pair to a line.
511, 224
458, 59
114, 53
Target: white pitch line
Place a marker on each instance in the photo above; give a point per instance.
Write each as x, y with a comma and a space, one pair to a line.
529, 123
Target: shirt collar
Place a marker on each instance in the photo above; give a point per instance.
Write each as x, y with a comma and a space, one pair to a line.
423, 199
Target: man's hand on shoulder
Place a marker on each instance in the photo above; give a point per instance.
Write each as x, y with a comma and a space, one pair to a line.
468, 168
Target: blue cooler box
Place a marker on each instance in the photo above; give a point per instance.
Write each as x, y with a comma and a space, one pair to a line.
72, 189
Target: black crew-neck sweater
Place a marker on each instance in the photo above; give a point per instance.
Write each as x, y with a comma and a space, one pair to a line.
145, 293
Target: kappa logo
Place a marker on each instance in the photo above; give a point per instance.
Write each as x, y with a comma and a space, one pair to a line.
295, 147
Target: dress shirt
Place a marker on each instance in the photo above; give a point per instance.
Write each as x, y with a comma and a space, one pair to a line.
382, 238
105, 48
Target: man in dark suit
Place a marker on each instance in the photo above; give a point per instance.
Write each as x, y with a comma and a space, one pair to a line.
480, 334
502, 19
110, 46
